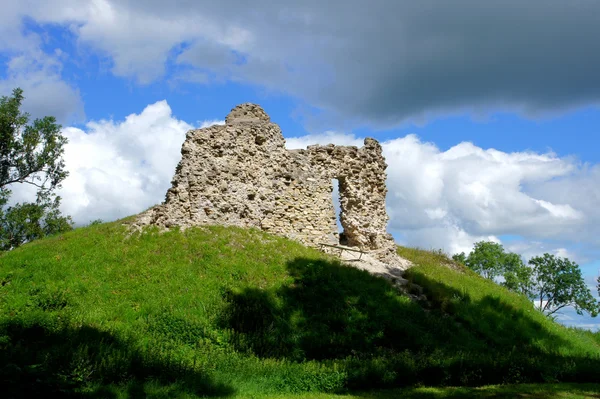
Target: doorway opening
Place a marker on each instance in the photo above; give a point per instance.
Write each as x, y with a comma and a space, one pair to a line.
335, 197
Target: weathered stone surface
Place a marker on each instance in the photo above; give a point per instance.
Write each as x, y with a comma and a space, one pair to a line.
241, 174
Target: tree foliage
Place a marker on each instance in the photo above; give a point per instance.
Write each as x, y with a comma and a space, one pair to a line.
558, 283
517, 275
30, 154
553, 282
487, 259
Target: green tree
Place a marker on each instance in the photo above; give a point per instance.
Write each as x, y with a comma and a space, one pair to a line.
29, 154
487, 258
552, 282
517, 275
491, 261
557, 283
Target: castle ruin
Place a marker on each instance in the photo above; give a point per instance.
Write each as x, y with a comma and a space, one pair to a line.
241, 174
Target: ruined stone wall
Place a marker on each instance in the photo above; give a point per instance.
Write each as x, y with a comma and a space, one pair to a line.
241, 174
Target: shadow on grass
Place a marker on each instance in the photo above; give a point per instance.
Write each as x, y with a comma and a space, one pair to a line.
337, 313
494, 321
43, 359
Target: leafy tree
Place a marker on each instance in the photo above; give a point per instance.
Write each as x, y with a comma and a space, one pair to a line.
491, 261
487, 259
557, 283
517, 275
552, 282
29, 154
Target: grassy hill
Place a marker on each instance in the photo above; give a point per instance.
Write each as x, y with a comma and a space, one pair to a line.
220, 311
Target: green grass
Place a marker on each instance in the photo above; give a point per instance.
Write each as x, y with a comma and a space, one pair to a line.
490, 311
220, 311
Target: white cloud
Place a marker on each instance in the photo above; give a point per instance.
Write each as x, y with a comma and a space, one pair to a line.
536, 247
560, 211
120, 168
329, 137
203, 124
117, 169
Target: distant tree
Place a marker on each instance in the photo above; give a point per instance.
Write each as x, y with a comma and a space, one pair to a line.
557, 283
487, 258
553, 283
517, 275
29, 154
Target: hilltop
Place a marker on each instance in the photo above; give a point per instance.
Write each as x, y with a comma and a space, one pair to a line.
226, 311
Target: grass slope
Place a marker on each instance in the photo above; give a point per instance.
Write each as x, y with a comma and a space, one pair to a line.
222, 311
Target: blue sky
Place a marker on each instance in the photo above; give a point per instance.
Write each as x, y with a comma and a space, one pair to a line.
488, 113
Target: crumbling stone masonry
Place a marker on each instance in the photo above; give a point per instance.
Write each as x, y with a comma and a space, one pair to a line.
241, 174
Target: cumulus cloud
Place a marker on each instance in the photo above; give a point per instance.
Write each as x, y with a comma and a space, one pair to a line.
121, 168
581, 190
203, 124
378, 62
535, 247
323, 139
118, 168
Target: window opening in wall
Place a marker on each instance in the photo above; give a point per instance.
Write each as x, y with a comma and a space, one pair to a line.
335, 196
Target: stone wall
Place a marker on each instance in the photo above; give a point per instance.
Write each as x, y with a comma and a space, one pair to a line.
241, 174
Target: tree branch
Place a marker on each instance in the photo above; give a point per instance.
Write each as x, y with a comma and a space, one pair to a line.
548, 302
558, 308
23, 179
